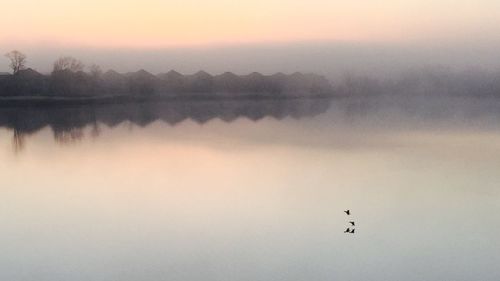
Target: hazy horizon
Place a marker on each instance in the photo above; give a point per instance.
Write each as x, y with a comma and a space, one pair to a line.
381, 37
331, 59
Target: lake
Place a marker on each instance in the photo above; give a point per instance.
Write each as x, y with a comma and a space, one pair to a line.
252, 190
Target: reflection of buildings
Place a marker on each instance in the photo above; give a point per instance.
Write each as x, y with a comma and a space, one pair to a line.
67, 123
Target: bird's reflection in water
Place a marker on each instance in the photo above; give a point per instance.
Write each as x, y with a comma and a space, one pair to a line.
68, 123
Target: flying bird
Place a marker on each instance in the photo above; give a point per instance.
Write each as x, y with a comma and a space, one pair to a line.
352, 223
347, 230
352, 231
348, 212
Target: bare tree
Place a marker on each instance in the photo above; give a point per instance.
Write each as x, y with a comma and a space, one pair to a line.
68, 63
95, 71
17, 61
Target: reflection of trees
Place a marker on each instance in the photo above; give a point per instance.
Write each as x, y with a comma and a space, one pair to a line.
18, 141
95, 131
68, 124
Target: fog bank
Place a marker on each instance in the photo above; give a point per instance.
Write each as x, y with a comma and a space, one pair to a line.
332, 60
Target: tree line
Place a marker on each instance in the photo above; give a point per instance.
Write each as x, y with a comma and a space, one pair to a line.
70, 77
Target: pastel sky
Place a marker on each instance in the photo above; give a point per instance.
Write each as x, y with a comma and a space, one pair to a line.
165, 23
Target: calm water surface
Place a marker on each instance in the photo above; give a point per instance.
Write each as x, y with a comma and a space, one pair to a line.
251, 192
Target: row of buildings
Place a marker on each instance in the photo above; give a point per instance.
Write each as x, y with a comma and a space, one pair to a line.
29, 82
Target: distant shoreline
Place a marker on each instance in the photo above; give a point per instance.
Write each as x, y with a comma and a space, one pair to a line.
9, 101
65, 85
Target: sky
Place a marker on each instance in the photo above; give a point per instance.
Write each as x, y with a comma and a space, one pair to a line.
48, 29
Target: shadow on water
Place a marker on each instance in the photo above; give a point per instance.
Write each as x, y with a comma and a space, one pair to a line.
68, 123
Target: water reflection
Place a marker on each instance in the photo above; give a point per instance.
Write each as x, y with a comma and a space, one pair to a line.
67, 124
234, 199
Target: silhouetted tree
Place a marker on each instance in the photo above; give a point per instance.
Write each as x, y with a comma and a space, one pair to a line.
17, 61
68, 63
68, 77
95, 71
95, 80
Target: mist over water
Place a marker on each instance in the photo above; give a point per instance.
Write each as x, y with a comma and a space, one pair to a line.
235, 167
217, 191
